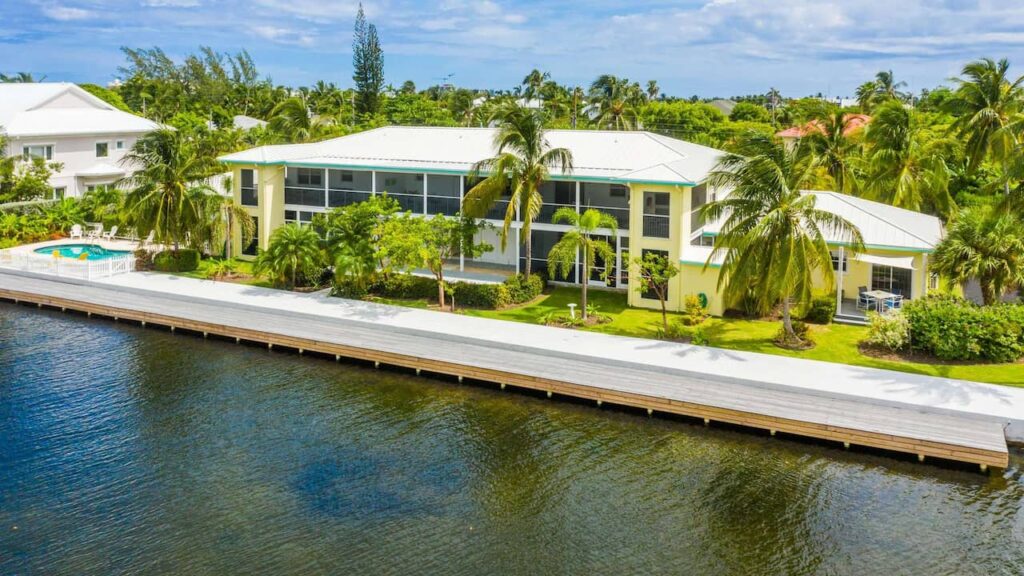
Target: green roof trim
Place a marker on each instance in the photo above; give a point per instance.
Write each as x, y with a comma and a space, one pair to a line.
443, 172
868, 246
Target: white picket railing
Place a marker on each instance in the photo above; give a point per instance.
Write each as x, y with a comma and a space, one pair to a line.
67, 267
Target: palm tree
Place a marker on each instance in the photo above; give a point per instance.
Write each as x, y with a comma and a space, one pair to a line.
986, 103
652, 89
617, 101
533, 82
292, 119
866, 96
773, 238
904, 166
218, 216
20, 78
983, 244
167, 189
836, 149
293, 250
580, 240
886, 86
523, 162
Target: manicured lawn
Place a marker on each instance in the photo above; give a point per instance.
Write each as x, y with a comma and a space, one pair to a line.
835, 343
244, 267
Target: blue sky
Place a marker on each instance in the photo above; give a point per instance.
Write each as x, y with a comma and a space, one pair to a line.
705, 47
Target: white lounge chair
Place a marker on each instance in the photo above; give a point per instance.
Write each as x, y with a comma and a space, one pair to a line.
95, 233
110, 235
148, 240
76, 231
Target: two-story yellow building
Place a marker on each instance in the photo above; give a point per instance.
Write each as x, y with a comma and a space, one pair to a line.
652, 184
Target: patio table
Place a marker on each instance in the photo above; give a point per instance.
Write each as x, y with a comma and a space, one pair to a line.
879, 296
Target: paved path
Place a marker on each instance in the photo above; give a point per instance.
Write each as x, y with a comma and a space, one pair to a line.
901, 406
829, 379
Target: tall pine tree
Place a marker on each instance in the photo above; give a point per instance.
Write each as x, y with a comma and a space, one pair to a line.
367, 65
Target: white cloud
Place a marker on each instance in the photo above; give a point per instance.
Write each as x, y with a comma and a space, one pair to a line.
66, 13
283, 35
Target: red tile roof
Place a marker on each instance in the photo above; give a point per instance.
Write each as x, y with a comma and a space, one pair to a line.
854, 122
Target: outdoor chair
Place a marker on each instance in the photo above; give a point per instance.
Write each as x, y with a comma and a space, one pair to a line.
110, 235
894, 303
95, 233
76, 231
148, 240
864, 302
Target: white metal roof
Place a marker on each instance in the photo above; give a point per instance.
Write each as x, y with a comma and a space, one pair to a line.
604, 155
32, 109
882, 226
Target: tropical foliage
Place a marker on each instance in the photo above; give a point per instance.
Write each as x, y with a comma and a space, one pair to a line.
292, 255
773, 241
583, 239
986, 245
523, 162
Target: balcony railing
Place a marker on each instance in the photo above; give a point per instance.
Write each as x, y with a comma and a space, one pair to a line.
250, 197
621, 215
304, 196
547, 211
336, 198
497, 212
409, 202
447, 205
656, 226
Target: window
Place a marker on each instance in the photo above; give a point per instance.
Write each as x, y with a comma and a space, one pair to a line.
835, 261
102, 149
97, 187
347, 176
933, 281
119, 145
656, 214
250, 196
895, 280
310, 177
301, 218
58, 193
44, 151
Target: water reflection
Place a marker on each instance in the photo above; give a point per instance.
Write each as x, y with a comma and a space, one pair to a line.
135, 451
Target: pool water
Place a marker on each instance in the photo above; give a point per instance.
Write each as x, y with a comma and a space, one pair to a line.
75, 251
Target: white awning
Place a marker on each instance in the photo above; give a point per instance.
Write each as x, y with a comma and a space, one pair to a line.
906, 262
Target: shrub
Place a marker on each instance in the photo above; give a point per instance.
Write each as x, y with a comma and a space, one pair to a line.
143, 259
700, 337
221, 268
674, 331
405, 286
522, 289
821, 310
184, 260
480, 295
951, 328
890, 331
694, 311
800, 328
349, 287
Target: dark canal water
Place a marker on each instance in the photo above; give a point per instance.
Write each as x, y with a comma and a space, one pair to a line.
131, 451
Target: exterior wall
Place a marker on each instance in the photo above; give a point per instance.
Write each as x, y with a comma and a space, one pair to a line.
78, 153
679, 202
270, 203
694, 280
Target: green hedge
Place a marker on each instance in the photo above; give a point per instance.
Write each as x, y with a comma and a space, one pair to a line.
176, 261
821, 310
515, 290
952, 328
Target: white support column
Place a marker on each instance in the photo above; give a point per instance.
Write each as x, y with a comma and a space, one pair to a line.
578, 196
327, 193
424, 194
518, 270
373, 182
839, 281
618, 259
462, 194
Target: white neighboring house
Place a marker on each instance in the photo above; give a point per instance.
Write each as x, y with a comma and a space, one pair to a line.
63, 123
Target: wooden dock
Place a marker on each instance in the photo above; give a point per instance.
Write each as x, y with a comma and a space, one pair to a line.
846, 421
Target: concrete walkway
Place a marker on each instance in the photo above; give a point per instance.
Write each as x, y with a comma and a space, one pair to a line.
828, 380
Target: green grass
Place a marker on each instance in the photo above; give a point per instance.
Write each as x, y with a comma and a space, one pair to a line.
835, 342
244, 267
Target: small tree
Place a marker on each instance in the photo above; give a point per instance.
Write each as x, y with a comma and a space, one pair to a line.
293, 251
983, 244
580, 239
413, 242
351, 236
656, 271
367, 65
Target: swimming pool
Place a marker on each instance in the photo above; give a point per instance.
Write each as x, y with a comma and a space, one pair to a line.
75, 251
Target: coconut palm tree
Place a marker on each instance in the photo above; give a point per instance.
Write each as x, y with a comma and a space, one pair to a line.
983, 244
617, 101
166, 191
773, 238
904, 165
20, 78
293, 251
986, 104
218, 219
886, 86
523, 162
837, 149
292, 119
580, 240
533, 82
